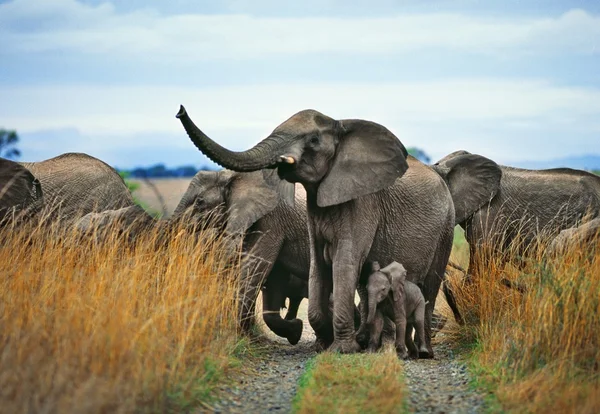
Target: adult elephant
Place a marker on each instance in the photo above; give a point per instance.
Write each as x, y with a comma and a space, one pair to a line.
20, 192
274, 238
528, 206
367, 200
75, 184
246, 205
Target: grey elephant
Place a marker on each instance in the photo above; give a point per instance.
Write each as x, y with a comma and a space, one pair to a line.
586, 236
524, 205
391, 295
74, 184
133, 221
21, 194
274, 237
245, 205
366, 200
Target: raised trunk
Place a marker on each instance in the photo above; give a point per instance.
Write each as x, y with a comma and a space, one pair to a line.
264, 155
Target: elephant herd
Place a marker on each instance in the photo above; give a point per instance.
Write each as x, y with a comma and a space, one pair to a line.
318, 205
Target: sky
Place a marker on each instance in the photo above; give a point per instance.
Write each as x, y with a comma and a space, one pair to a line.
511, 80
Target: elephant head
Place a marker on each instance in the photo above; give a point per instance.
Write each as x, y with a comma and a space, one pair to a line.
235, 201
339, 160
20, 191
473, 181
380, 282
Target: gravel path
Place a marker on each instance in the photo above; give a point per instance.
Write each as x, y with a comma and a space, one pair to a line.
441, 385
268, 384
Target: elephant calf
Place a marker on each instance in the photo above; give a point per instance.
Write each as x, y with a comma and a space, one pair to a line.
391, 295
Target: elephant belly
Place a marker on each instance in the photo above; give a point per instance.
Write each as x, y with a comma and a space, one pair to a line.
413, 234
295, 259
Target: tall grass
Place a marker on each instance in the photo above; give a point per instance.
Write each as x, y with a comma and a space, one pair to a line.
539, 345
88, 327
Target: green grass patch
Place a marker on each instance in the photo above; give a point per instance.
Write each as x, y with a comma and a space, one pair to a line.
359, 383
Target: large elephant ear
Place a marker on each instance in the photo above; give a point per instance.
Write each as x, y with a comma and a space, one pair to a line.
251, 197
369, 158
473, 181
19, 187
396, 273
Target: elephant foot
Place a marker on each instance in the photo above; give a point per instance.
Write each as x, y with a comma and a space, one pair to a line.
424, 352
402, 352
429, 353
347, 346
372, 349
295, 331
320, 345
362, 337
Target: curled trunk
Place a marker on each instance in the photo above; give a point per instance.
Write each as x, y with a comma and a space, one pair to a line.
264, 155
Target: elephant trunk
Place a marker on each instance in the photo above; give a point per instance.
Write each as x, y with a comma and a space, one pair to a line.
264, 155
372, 308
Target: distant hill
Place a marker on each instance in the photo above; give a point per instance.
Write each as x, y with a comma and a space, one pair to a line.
581, 162
161, 171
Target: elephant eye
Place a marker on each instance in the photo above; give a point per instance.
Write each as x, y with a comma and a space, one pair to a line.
314, 140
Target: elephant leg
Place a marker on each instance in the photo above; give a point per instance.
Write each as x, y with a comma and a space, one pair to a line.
451, 299
362, 334
420, 328
345, 280
254, 273
400, 343
432, 283
375, 330
248, 292
273, 297
319, 290
293, 306
389, 330
296, 291
413, 352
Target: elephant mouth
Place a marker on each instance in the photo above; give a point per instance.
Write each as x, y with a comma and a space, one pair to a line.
286, 167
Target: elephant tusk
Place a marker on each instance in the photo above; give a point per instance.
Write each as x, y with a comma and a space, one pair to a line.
287, 160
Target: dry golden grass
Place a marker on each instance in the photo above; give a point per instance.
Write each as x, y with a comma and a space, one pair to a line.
111, 328
361, 383
539, 350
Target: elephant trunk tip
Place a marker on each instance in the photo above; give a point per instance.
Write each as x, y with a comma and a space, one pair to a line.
181, 112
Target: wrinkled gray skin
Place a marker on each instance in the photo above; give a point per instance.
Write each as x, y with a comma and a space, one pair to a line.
75, 184
367, 200
391, 295
585, 236
20, 192
274, 235
525, 203
132, 220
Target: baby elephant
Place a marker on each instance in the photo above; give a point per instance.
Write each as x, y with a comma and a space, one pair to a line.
391, 295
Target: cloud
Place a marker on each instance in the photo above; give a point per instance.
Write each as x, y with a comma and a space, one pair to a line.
131, 109
37, 26
489, 116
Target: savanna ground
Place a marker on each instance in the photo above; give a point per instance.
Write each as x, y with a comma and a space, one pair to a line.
88, 328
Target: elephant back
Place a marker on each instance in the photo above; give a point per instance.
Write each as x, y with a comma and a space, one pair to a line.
75, 184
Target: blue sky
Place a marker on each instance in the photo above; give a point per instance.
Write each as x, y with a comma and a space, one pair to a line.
512, 80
